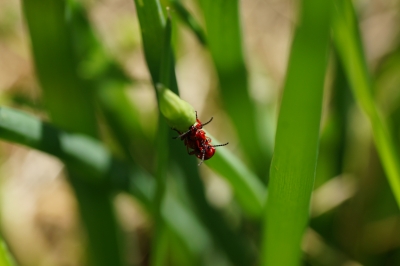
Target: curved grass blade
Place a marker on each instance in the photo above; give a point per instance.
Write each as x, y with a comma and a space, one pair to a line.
249, 190
348, 43
297, 137
80, 152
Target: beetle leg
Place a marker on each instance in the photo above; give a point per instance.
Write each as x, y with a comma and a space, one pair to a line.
202, 158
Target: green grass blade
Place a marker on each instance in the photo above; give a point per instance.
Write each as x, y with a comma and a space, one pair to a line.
97, 212
70, 105
249, 190
225, 43
6, 258
348, 43
67, 97
153, 27
187, 226
296, 143
89, 165
160, 239
78, 151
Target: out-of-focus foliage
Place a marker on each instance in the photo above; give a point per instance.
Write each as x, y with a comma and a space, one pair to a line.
5, 256
84, 83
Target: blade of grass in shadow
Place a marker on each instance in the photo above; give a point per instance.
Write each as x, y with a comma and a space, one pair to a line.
333, 139
296, 143
387, 70
90, 158
152, 23
348, 43
248, 189
341, 100
70, 105
225, 43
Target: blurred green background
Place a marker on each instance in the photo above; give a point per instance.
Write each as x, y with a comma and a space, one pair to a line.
306, 92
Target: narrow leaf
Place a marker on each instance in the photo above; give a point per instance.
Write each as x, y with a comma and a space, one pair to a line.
293, 165
249, 190
348, 43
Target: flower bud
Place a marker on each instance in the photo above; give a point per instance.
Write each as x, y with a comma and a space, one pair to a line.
179, 114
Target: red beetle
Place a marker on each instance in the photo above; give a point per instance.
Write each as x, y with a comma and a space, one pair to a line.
195, 138
205, 151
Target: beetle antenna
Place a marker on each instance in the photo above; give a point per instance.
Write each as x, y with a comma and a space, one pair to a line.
219, 145
203, 124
